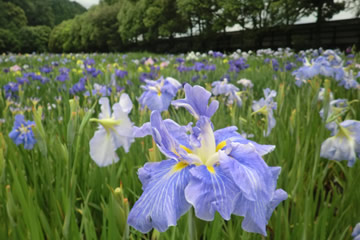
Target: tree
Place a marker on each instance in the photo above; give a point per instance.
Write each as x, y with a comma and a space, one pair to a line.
324, 9
130, 18
11, 16
162, 19
8, 41
34, 38
204, 16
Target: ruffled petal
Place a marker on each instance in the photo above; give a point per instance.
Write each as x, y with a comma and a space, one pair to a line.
257, 184
166, 143
125, 103
339, 148
356, 231
211, 190
124, 132
178, 132
231, 134
162, 202
257, 213
196, 102
144, 130
102, 148
105, 108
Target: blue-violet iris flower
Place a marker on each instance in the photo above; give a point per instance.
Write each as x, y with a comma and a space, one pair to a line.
266, 106
227, 89
344, 144
158, 94
356, 232
212, 171
22, 132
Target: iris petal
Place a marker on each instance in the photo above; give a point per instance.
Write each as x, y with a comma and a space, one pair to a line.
162, 202
105, 108
102, 148
196, 102
257, 183
166, 143
230, 133
209, 192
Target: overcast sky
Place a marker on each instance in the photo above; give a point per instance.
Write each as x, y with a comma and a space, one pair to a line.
342, 15
87, 3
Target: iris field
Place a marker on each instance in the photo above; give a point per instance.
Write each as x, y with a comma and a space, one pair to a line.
69, 169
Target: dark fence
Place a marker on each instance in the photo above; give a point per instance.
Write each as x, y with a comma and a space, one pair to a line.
334, 34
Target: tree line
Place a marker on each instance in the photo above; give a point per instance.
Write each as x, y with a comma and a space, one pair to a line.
112, 25
25, 25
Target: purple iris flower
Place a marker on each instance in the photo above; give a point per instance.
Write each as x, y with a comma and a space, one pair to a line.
183, 68
78, 87
195, 78
275, 64
227, 89
22, 80
121, 73
158, 94
344, 143
45, 69
210, 67
309, 70
34, 76
266, 106
238, 65
101, 90
44, 80
64, 70
348, 62
89, 61
349, 81
336, 107
289, 66
64, 75
147, 76
198, 66
92, 71
22, 132
212, 171
356, 232
218, 55
180, 60
11, 87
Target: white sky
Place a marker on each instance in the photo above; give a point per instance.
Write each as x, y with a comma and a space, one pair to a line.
346, 14
342, 15
87, 3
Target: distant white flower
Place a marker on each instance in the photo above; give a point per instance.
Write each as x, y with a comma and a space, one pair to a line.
115, 130
246, 83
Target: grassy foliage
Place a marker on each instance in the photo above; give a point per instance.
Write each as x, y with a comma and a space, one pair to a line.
56, 191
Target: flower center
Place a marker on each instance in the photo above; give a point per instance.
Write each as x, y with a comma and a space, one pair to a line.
23, 129
108, 123
207, 153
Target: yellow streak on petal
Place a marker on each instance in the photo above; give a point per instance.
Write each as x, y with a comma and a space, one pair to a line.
186, 149
179, 166
220, 145
211, 169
